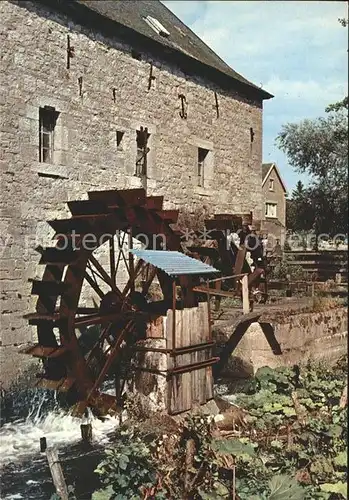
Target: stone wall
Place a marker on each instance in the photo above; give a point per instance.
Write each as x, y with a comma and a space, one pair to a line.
302, 337
33, 44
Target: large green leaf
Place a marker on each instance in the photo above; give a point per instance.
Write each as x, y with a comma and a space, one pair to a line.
283, 487
341, 459
232, 447
339, 487
104, 494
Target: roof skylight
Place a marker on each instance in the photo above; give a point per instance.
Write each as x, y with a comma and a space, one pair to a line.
157, 26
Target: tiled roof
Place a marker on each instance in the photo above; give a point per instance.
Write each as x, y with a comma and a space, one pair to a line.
131, 14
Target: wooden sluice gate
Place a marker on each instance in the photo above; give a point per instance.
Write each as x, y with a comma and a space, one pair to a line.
182, 339
178, 352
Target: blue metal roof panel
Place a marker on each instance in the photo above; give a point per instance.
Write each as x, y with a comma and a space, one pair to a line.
174, 263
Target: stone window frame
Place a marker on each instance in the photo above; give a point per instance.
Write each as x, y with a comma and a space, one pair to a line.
271, 184
203, 158
134, 126
203, 144
267, 213
119, 139
48, 116
30, 128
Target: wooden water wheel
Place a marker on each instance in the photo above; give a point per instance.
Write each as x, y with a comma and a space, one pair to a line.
86, 261
230, 257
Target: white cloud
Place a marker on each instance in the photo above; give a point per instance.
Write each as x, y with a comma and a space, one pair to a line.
305, 90
296, 49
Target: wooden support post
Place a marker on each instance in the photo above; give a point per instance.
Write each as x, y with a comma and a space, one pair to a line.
245, 297
86, 432
57, 473
218, 286
43, 444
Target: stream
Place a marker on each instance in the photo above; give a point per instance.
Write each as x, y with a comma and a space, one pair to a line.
34, 414
24, 470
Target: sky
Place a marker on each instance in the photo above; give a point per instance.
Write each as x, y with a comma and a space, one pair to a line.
296, 50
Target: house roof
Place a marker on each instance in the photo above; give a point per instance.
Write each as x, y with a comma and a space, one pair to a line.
267, 168
131, 14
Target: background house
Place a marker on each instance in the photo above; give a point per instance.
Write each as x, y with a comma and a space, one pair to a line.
112, 94
274, 204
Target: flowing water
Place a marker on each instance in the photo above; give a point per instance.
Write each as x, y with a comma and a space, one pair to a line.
24, 470
33, 414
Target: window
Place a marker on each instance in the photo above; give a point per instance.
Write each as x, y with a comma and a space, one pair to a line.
270, 210
47, 122
271, 184
142, 137
202, 159
156, 26
119, 140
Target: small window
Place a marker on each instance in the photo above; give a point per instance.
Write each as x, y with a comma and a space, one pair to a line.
270, 210
142, 137
47, 122
271, 184
119, 139
156, 26
202, 158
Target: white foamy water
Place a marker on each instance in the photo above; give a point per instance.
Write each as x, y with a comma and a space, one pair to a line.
20, 438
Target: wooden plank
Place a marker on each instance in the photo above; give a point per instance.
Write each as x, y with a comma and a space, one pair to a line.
57, 473
245, 295
205, 321
214, 292
195, 339
186, 380
201, 356
209, 383
178, 403
240, 259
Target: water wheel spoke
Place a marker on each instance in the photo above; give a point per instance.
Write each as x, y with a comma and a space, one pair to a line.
99, 343
94, 285
96, 274
113, 270
87, 310
131, 260
121, 242
113, 352
105, 275
150, 275
132, 279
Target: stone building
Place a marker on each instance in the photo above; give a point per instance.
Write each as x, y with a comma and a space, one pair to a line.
274, 204
112, 94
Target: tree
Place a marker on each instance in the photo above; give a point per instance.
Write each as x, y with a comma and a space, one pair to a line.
319, 148
299, 210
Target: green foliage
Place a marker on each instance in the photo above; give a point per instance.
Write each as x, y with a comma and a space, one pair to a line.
339, 488
127, 468
104, 494
283, 487
293, 448
319, 148
299, 209
283, 271
231, 447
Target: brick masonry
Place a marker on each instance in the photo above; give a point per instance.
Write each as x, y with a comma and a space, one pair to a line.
34, 74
